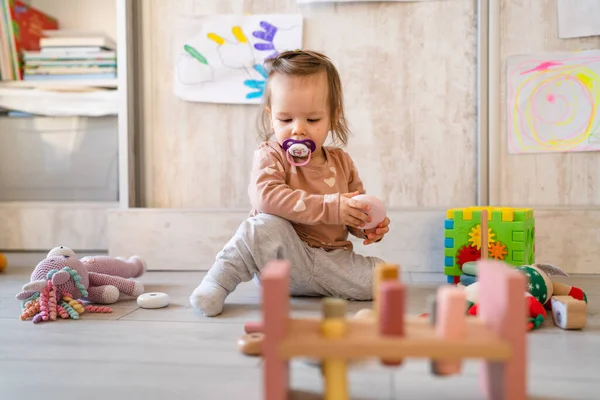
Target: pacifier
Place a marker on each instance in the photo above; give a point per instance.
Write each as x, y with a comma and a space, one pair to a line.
298, 148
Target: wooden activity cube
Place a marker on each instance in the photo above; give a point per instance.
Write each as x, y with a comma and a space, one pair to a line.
496, 335
511, 237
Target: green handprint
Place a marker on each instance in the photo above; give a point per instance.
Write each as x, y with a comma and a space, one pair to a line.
192, 67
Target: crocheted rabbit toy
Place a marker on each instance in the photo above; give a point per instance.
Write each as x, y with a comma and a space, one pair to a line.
97, 279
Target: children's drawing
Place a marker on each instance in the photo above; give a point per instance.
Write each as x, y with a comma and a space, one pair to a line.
257, 84
552, 102
219, 58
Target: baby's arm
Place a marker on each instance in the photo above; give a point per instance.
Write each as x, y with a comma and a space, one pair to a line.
270, 194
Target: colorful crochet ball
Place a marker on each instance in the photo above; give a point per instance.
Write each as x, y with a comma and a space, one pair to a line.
3, 262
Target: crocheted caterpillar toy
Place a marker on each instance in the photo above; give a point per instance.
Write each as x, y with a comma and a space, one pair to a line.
61, 281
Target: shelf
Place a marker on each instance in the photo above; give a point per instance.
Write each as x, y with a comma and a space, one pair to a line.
41, 225
61, 85
62, 103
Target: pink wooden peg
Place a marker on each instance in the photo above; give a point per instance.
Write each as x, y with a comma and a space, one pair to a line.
253, 327
450, 323
391, 308
275, 309
503, 309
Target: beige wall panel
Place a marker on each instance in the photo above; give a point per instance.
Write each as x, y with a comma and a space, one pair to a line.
561, 179
409, 71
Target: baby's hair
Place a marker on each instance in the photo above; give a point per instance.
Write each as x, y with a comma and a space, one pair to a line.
306, 63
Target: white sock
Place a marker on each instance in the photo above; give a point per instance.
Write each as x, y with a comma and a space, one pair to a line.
209, 298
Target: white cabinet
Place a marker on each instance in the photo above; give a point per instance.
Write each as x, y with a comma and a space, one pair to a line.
60, 175
66, 159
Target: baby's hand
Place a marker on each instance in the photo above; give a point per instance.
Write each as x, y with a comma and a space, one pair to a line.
377, 233
353, 212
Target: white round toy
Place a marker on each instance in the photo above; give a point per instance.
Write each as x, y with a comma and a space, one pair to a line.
377, 211
61, 251
153, 300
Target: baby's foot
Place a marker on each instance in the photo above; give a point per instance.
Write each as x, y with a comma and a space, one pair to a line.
209, 298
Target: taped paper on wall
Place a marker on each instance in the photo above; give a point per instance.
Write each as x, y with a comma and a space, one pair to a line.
219, 58
552, 102
578, 18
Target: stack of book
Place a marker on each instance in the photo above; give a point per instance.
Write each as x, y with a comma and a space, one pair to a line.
71, 56
21, 28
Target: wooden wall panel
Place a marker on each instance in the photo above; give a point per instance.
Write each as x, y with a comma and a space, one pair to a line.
561, 179
409, 71
179, 239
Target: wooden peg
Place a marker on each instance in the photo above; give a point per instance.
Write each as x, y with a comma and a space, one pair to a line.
391, 319
253, 326
450, 323
333, 327
276, 319
484, 234
502, 308
383, 273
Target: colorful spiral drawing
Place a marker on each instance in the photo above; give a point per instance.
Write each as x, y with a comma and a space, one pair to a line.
553, 103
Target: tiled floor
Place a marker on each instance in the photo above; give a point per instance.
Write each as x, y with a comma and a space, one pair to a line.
175, 353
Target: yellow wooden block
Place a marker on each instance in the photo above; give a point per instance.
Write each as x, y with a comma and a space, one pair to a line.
334, 327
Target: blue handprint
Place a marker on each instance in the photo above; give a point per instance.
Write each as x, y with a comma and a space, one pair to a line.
267, 34
259, 85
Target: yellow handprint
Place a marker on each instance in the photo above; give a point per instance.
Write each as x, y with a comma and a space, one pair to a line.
238, 54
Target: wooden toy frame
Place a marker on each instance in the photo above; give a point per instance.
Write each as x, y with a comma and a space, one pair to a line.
497, 335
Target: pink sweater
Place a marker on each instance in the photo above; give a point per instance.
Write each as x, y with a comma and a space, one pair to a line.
308, 196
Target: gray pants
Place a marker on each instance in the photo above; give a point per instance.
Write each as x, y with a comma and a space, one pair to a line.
314, 272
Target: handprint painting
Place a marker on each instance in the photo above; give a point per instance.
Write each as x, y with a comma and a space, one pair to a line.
219, 58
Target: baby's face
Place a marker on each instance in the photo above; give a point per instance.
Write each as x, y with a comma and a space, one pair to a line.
299, 108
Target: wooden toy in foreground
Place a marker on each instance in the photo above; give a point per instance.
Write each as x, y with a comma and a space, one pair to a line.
496, 335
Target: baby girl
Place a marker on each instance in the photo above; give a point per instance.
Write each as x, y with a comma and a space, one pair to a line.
301, 193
